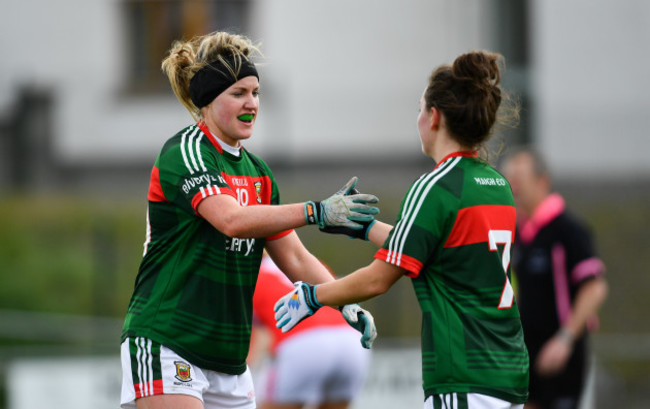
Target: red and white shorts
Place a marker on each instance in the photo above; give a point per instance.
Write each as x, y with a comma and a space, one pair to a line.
149, 368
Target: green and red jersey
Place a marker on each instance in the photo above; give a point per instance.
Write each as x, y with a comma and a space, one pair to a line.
194, 288
454, 237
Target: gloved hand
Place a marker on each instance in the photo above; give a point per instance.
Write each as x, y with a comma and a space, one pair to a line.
295, 306
344, 208
352, 233
362, 321
361, 233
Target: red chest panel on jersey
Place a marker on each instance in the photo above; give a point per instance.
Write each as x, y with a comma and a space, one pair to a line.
250, 190
473, 224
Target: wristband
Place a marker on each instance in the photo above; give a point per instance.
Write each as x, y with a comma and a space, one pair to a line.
565, 335
309, 291
311, 212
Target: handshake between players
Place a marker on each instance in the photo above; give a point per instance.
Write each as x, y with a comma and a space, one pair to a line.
345, 212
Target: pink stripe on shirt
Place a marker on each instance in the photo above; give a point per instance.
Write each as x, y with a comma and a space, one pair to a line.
590, 267
561, 283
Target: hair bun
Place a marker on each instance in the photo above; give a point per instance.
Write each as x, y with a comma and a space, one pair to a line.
468, 95
479, 67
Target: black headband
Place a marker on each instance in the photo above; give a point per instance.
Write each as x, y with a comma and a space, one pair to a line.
215, 78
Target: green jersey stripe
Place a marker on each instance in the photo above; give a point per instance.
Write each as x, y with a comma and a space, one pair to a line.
403, 228
412, 196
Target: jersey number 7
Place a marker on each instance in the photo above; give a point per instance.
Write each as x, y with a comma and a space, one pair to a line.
504, 237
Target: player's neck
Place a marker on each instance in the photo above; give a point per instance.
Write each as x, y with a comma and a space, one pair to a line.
229, 145
444, 146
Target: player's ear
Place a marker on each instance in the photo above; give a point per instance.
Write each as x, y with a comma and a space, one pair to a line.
436, 117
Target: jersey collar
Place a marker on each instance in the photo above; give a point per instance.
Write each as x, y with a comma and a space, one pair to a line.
211, 137
468, 154
546, 212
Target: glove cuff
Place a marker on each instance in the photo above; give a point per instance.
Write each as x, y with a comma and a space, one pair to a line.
309, 291
366, 229
312, 212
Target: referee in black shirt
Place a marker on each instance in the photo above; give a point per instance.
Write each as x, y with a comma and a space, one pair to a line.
560, 284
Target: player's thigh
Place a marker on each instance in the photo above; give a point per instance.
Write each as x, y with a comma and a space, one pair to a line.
169, 402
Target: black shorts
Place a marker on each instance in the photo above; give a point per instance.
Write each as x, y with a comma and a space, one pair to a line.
561, 391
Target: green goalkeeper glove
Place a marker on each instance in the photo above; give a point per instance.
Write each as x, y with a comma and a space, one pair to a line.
344, 208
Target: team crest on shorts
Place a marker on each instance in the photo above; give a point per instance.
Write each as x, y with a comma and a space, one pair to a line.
182, 371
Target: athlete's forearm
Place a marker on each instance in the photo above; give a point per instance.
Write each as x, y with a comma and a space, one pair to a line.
365, 283
588, 300
379, 233
233, 220
265, 221
309, 270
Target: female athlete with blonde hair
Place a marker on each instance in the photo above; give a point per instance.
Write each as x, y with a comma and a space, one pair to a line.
213, 207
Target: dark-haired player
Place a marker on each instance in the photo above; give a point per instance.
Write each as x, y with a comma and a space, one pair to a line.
454, 239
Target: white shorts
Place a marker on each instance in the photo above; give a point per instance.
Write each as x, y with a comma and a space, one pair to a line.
316, 366
149, 368
474, 401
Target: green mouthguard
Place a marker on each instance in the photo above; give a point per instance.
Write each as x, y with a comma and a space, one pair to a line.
246, 117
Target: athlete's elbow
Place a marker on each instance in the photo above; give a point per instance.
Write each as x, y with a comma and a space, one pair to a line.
230, 226
377, 287
236, 229
230, 230
601, 289
225, 215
